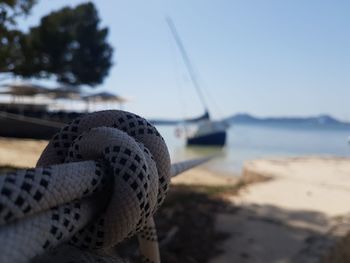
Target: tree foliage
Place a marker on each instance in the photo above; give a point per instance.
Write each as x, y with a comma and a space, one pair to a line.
11, 9
10, 47
68, 44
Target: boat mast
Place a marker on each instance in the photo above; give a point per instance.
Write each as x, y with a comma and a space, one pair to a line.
187, 61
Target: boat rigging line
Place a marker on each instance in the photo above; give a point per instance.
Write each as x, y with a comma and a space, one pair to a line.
187, 61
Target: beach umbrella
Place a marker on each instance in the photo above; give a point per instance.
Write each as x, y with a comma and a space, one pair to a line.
104, 97
65, 93
23, 89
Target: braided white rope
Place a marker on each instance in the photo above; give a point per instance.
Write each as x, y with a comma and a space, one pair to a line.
99, 181
180, 167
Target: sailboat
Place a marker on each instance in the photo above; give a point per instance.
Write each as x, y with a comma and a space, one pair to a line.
208, 132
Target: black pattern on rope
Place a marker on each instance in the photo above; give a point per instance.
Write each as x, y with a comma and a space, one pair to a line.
126, 166
123, 169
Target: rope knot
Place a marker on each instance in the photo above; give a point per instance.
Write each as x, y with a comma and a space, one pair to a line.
98, 181
131, 149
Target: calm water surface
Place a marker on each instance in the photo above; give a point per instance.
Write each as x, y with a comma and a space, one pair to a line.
247, 142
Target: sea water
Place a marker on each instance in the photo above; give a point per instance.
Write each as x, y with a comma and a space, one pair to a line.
248, 142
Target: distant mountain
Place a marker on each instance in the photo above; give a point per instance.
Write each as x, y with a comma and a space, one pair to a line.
321, 120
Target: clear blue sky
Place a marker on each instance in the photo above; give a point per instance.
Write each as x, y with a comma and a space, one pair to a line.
269, 58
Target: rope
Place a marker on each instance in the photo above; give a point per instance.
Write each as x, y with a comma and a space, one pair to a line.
98, 182
43, 122
180, 167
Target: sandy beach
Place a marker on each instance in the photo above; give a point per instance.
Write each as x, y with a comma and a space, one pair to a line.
205, 177
21, 153
296, 215
289, 210
24, 153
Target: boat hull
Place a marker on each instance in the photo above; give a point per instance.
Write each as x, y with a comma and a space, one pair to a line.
213, 139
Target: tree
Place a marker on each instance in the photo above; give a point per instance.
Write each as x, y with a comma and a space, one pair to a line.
10, 49
68, 44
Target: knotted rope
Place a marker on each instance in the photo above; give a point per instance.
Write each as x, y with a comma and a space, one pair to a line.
99, 181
